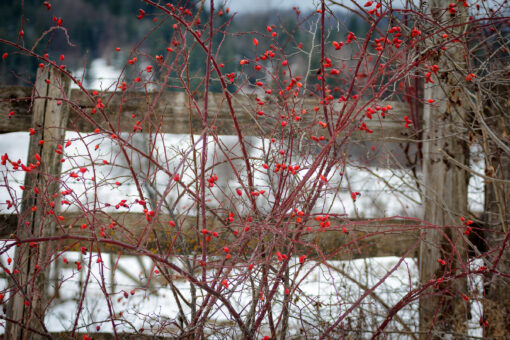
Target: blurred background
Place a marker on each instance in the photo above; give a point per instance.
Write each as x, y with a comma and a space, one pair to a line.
94, 28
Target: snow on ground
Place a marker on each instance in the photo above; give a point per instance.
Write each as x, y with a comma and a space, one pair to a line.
384, 192
324, 293
152, 302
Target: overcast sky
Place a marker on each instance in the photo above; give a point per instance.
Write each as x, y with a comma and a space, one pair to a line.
243, 6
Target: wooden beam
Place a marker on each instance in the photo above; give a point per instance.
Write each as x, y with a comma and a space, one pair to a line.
497, 211
15, 99
445, 185
365, 238
48, 123
170, 113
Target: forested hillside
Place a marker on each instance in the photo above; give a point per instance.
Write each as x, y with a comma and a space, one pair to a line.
84, 30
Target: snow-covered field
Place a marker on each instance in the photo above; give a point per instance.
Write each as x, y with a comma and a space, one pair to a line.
153, 304
325, 292
140, 298
384, 192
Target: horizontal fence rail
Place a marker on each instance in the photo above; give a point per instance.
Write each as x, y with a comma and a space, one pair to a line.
171, 112
353, 238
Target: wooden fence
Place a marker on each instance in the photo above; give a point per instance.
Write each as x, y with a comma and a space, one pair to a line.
39, 109
172, 117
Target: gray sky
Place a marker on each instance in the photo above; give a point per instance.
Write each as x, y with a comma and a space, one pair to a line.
243, 6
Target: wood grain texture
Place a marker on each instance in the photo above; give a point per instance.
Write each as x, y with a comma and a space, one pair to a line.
376, 238
444, 187
170, 112
49, 118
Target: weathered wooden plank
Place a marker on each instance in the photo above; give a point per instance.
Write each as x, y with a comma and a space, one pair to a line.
8, 225
15, 99
386, 237
497, 211
171, 113
445, 185
48, 124
24, 255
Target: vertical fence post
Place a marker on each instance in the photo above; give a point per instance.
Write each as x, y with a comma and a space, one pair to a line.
445, 184
29, 295
496, 307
